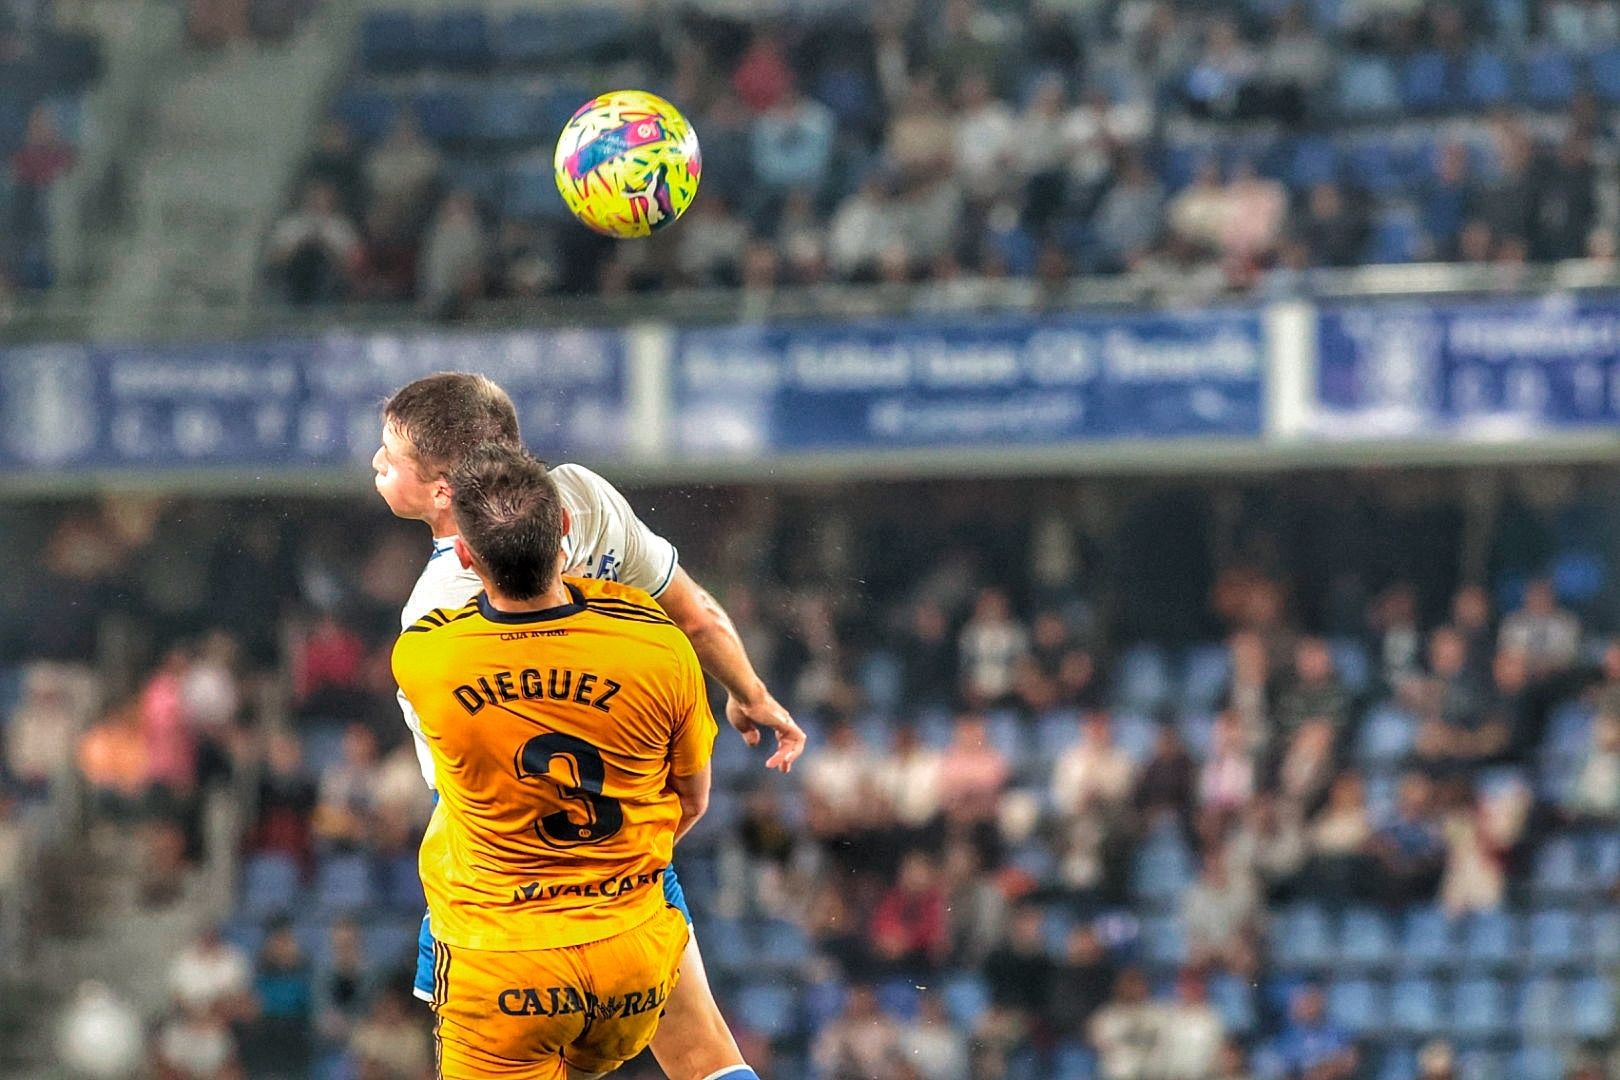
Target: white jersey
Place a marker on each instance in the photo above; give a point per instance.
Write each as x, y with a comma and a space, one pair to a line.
605, 540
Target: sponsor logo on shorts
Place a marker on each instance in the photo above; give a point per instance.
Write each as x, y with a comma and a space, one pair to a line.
569, 1000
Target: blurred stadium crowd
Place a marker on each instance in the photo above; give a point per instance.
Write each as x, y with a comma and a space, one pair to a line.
1231, 146
1090, 797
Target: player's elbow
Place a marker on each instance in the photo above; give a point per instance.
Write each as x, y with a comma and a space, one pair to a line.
694, 804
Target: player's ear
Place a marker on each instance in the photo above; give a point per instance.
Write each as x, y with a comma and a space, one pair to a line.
464, 553
442, 494
567, 521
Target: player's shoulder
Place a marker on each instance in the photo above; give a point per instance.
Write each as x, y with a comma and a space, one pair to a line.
441, 617
618, 600
582, 489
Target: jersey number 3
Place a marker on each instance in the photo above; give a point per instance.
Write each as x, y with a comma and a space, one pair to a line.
589, 816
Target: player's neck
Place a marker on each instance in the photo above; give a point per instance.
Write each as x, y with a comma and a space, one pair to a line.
443, 524
554, 597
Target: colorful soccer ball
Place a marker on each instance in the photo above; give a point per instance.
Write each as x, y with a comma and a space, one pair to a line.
627, 163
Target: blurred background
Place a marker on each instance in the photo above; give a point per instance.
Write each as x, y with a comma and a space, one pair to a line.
1162, 451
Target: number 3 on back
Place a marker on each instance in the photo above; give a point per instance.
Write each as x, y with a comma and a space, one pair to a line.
596, 816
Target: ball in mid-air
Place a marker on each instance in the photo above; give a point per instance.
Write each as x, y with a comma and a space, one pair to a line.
627, 163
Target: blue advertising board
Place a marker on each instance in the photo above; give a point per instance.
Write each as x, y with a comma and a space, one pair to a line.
1470, 370
875, 386
294, 403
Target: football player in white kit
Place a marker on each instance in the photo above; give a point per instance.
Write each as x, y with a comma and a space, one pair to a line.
428, 427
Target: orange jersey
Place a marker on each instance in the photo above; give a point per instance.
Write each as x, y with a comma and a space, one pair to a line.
554, 735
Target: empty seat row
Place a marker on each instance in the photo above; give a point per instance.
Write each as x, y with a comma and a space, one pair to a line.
471, 40
494, 116
272, 884
1308, 938
1474, 1009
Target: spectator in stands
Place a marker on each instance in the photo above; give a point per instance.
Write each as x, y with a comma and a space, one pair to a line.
1127, 220
1128, 1030
712, 243
763, 77
1248, 692
984, 133
1471, 618
1221, 914
1314, 693
42, 159
793, 143
862, 1041
837, 785
392, 1043
314, 252
977, 907
1549, 636
216, 23
1166, 788
1449, 201
1567, 200
286, 800
1339, 837
401, 173
1018, 972
450, 271
1437, 1061
1581, 25
212, 976
336, 162
112, 760
1220, 83
100, 1034
1458, 730
1078, 983
1295, 64
910, 928
991, 644
1255, 210
1507, 204
1411, 850
1198, 213
973, 771
1193, 1033
1597, 785
197, 1045
1330, 227
920, 136
864, 227
1474, 878
1312, 1048
346, 796
1232, 1063
40, 734
345, 987
1392, 619
1094, 776
907, 781
932, 1045
1226, 781
277, 1037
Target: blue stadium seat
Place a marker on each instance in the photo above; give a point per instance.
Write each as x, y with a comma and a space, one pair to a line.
967, 999
387, 944
1134, 734
323, 747
899, 998
1602, 936
1536, 1063
1366, 940
1590, 1009
1232, 996
1301, 938
271, 885
343, 884
1315, 160
1198, 732
1428, 940
1056, 923
773, 1008
1074, 1062
530, 192
1398, 1063
1491, 939
1555, 939
1368, 87
1381, 789
1143, 678
246, 934
1372, 165
1163, 870
1056, 732
1488, 80
1207, 670
506, 116
531, 38
1550, 78
1423, 83
1397, 234
390, 42
1163, 941
1416, 1007
1479, 1009
446, 116
459, 40
402, 884
727, 945
1603, 72
1541, 1005
1352, 663
1387, 735
782, 944
1569, 731
1478, 1063
1558, 867
1357, 1006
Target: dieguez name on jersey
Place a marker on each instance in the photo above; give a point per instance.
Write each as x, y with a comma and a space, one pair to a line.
530, 684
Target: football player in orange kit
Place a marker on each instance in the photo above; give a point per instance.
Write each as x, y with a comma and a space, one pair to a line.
571, 733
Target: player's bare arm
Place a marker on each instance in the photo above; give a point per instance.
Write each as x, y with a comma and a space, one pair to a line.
719, 647
693, 793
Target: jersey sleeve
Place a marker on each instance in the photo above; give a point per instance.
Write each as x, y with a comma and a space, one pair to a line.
692, 743
408, 676
605, 528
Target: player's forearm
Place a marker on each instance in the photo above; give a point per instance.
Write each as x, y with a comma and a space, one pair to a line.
693, 793
714, 638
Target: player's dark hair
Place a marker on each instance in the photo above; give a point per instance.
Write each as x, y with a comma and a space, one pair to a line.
446, 415
509, 513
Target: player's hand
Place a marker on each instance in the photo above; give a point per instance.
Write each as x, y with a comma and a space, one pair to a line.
768, 713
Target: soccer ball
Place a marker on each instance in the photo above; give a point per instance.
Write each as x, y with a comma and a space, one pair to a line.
627, 163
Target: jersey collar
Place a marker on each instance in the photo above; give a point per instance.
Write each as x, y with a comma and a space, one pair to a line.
442, 545
562, 611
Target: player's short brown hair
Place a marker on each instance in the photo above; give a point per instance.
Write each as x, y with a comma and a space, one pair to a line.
509, 513
448, 414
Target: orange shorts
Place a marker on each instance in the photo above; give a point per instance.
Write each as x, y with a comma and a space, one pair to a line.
523, 1015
